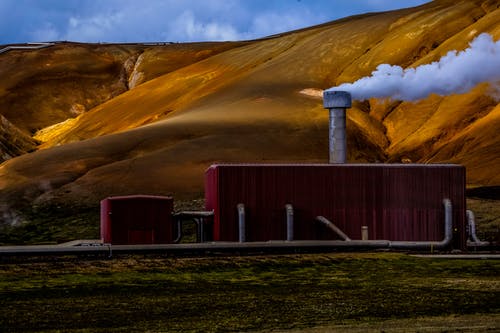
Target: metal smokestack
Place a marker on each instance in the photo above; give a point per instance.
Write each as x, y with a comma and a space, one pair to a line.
337, 102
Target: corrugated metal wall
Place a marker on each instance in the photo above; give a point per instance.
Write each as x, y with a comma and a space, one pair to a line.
396, 201
137, 219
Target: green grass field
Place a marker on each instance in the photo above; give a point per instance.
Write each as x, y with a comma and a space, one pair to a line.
307, 293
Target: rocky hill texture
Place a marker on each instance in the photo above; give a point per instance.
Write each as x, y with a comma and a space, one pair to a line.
109, 119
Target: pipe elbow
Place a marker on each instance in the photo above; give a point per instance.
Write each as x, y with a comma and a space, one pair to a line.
448, 234
471, 222
241, 208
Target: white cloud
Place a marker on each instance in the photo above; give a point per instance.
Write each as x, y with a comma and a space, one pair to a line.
94, 28
46, 33
170, 20
187, 27
271, 23
383, 5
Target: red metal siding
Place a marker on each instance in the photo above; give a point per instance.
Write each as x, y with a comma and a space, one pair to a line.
137, 219
105, 220
395, 201
211, 197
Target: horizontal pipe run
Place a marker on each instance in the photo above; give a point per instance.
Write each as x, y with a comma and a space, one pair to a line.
196, 248
196, 214
286, 246
83, 242
484, 256
43, 250
207, 247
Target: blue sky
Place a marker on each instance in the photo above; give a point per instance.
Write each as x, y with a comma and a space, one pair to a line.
171, 20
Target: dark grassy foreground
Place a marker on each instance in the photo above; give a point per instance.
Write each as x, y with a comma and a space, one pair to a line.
247, 293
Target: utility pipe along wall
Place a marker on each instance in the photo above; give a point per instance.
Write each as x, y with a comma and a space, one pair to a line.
397, 202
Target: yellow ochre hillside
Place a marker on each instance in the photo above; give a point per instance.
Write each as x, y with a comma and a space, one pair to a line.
109, 119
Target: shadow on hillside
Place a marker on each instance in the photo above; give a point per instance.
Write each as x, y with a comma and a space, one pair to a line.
484, 192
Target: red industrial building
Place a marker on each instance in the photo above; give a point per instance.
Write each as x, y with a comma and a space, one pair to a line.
397, 206
397, 202
137, 219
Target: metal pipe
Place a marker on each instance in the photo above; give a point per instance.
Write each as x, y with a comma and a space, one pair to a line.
189, 248
201, 232
83, 242
408, 245
471, 223
333, 227
207, 248
241, 222
337, 136
199, 229
347, 243
364, 232
198, 217
432, 245
289, 222
179, 230
337, 102
29, 46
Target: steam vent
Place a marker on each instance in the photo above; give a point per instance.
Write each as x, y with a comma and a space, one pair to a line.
408, 206
337, 102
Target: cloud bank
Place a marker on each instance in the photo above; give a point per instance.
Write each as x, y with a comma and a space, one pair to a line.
170, 20
456, 72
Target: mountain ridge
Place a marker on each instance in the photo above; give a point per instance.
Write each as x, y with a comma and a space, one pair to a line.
200, 103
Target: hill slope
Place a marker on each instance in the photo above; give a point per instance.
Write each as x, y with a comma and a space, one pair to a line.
151, 119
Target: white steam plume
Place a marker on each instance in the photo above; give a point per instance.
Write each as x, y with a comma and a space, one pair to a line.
456, 72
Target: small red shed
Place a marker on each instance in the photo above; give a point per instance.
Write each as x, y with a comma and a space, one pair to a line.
397, 202
137, 219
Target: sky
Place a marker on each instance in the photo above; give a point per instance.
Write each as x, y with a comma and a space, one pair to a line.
24, 21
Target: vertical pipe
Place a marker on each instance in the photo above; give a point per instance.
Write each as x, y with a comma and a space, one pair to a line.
448, 221
179, 230
475, 241
364, 232
199, 229
337, 102
471, 221
289, 222
337, 136
241, 222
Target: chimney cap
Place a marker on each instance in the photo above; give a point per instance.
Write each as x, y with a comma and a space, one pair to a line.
336, 99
